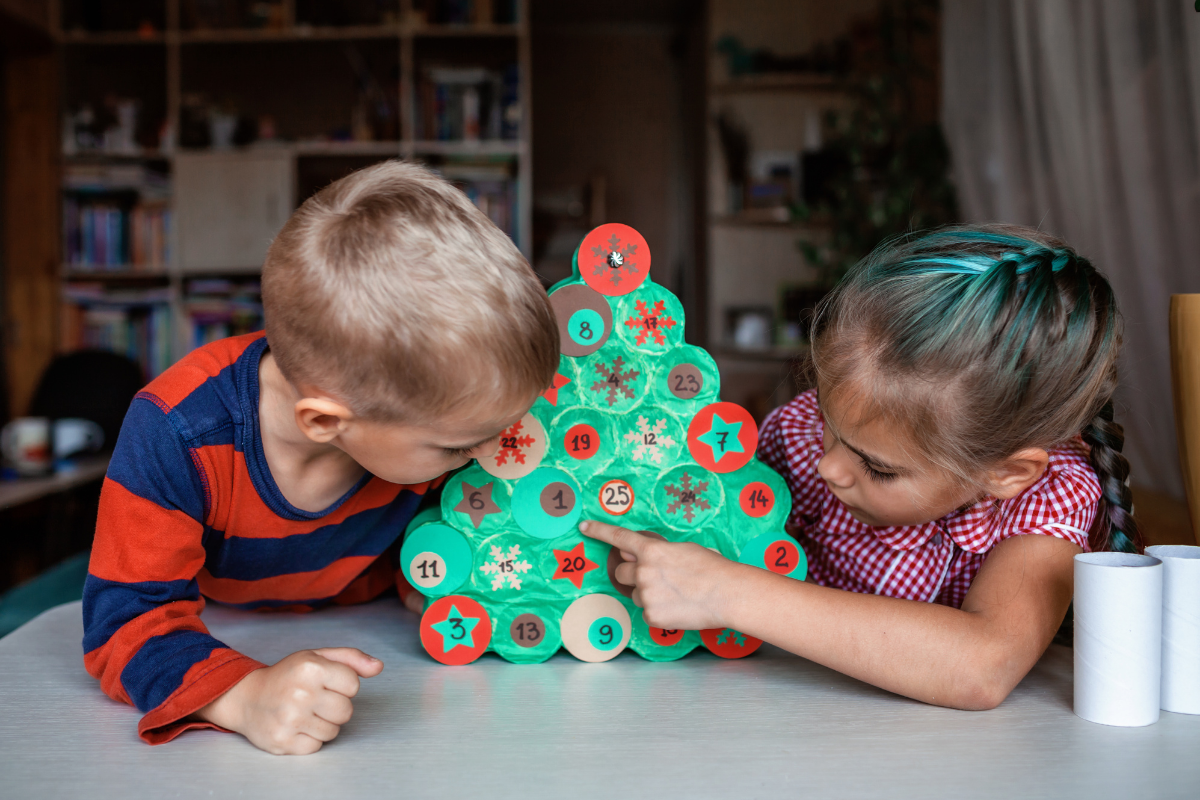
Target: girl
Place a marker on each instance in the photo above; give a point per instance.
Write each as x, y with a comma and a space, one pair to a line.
956, 454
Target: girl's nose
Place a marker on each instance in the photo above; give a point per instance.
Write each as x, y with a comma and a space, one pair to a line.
833, 470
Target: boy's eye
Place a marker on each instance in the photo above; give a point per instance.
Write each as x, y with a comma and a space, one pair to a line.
457, 452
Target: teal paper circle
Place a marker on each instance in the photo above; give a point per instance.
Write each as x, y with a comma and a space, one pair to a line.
597, 637
755, 553
527, 504
450, 545
586, 327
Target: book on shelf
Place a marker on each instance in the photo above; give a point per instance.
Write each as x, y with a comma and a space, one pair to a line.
468, 104
116, 217
135, 323
217, 307
492, 189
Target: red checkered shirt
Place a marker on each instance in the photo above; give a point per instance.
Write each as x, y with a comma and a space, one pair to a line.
934, 562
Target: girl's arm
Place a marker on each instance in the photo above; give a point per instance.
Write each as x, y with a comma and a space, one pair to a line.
968, 658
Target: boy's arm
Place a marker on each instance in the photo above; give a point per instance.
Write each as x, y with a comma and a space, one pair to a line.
143, 638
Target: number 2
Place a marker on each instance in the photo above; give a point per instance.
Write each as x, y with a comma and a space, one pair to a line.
781, 560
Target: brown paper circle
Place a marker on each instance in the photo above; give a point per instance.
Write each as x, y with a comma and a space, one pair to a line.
552, 504
688, 378
565, 302
520, 632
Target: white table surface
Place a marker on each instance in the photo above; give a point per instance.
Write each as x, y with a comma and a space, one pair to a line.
771, 725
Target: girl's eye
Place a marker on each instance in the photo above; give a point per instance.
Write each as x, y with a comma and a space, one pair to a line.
876, 475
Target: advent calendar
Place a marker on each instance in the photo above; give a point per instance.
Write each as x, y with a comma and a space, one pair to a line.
631, 432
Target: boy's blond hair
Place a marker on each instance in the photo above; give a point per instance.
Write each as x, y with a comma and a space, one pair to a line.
393, 292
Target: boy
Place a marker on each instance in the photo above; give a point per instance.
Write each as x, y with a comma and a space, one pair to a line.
405, 333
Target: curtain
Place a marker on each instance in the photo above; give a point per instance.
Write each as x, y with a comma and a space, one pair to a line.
1082, 118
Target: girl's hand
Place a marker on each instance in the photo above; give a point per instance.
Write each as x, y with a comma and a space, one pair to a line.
679, 585
295, 706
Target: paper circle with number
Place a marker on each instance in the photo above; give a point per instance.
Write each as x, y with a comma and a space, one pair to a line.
436, 559
596, 627
581, 441
522, 448
728, 643
688, 497
650, 319
686, 376
613, 259
546, 503
756, 499
526, 633
584, 317
778, 553
616, 497
657, 644
722, 437
455, 630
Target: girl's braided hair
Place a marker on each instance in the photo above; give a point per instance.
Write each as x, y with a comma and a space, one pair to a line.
982, 341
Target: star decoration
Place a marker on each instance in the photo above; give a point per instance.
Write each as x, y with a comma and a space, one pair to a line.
572, 564
456, 630
726, 634
722, 437
477, 502
551, 394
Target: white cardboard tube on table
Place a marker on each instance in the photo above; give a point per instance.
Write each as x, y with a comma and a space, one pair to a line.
1118, 638
1180, 627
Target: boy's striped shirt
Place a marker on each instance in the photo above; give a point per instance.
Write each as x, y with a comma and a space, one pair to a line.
189, 511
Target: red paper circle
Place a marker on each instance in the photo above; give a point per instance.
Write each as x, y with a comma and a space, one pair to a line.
439, 611
581, 442
782, 556
729, 648
708, 454
664, 638
614, 259
757, 499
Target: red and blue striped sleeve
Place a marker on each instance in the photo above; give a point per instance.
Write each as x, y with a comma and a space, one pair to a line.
143, 638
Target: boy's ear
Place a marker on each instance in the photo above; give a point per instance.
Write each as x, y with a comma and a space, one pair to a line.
322, 419
1017, 473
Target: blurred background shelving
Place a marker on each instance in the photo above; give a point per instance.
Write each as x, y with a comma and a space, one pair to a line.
192, 128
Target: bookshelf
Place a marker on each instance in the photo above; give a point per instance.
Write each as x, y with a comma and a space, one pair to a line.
192, 128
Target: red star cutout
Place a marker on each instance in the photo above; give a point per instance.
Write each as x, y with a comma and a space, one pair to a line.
551, 394
572, 564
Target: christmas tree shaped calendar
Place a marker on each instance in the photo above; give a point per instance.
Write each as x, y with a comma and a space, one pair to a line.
631, 432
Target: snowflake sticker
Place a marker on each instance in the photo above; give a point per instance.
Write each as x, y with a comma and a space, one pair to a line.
522, 447
513, 443
506, 567
614, 259
616, 380
648, 441
726, 634
650, 322
688, 497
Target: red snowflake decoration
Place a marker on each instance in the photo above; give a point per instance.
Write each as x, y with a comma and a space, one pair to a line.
513, 444
687, 497
651, 322
616, 380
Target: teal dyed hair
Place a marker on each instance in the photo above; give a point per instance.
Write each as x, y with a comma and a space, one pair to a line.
983, 341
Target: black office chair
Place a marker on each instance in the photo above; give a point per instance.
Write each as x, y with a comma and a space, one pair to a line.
91, 384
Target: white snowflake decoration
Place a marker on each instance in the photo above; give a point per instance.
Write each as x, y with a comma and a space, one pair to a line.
649, 441
506, 566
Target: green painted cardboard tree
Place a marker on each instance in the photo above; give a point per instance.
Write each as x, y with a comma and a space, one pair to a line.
632, 432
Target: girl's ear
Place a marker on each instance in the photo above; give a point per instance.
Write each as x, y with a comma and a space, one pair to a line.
1017, 473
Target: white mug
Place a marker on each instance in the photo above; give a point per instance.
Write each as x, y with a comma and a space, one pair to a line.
73, 435
25, 443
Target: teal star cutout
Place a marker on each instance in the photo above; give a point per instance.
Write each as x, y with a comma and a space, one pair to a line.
722, 437
456, 630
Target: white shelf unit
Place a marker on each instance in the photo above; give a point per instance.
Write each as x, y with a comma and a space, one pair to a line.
228, 204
